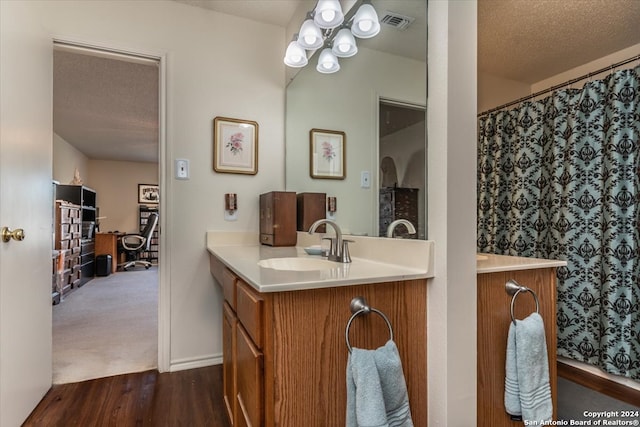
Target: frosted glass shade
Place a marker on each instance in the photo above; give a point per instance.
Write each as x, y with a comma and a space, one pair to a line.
344, 45
310, 36
295, 56
328, 14
365, 22
327, 62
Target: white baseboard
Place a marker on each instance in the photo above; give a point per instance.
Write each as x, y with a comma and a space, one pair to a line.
195, 362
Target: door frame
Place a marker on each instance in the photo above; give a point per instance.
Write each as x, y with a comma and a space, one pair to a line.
164, 255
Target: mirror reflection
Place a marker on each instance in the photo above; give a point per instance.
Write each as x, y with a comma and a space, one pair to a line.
378, 99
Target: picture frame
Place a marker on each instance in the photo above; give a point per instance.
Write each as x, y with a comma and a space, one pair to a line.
148, 194
327, 154
235, 146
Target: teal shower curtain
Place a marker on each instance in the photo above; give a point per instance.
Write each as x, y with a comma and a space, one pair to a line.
559, 178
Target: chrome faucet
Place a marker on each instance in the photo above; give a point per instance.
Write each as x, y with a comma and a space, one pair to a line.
391, 228
339, 250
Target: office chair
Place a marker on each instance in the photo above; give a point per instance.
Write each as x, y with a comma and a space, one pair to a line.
134, 244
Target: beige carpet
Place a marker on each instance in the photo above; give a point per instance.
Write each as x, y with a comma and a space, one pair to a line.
107, 327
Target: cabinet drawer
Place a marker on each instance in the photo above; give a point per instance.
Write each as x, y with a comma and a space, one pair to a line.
250, 394
249, 309
229, 287
88, 247
229, 334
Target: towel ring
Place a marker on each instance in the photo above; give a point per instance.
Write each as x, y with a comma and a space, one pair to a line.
359, 306
513, 288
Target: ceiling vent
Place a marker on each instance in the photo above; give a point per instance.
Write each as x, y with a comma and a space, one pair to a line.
395, 20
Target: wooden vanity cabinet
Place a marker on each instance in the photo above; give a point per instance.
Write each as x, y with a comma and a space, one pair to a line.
494, 318
229, 337
288, 358
242, 357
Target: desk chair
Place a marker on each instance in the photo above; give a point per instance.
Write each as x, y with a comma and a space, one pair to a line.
134, 244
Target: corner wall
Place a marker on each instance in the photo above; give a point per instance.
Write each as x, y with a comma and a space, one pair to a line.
216, 65
451, 127
66, 158
116, 185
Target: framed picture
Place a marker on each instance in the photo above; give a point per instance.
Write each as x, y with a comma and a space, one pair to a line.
235, 146
327, 154
148, 194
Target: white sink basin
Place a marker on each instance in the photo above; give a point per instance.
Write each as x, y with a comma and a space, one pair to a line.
297, 264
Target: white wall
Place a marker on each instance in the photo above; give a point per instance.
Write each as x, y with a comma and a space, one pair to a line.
116, 185
207, 76
589, 67
451, 128
216, 65
66, 159
494, 91
347, 101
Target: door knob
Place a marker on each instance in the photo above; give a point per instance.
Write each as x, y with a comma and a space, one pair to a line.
17, 234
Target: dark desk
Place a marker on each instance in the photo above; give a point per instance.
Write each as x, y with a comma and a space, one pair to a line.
107, 244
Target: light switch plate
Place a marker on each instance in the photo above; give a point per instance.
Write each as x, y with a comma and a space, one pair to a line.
182, 169
365, 179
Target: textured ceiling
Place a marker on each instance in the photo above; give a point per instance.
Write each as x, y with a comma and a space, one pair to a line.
529, 41
108, 108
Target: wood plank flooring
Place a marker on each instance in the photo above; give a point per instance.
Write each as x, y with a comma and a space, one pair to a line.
186, 398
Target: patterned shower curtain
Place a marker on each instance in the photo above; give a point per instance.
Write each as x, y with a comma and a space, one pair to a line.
559, 178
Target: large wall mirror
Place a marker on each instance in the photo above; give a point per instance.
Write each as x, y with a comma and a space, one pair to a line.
374, 99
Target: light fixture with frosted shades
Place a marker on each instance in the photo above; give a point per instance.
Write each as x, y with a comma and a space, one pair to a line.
327, 62
344, 45
295, 55
365, 22
310, 37
328, 14
331, 33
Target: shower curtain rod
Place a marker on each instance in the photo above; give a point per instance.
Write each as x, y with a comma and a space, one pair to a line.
570, 82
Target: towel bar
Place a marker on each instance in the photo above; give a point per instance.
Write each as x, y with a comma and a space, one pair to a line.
359, 306
513, 288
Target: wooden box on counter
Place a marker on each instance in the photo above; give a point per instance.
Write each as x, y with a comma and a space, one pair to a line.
278, 218
311, 207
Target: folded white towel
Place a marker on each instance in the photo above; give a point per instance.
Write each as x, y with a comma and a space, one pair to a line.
376, 389
527, 390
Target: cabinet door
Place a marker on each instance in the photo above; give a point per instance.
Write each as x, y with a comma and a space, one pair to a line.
229, 328
250, 392
494, 320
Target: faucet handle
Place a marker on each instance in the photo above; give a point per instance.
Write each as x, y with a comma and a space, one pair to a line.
332, 247
344, 256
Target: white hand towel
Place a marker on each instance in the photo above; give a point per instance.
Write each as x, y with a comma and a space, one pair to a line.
527, 356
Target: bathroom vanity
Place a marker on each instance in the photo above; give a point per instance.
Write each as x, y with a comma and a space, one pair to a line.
494, 318
285, 352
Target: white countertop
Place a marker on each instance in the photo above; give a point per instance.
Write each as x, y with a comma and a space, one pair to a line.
384, 261
490, 263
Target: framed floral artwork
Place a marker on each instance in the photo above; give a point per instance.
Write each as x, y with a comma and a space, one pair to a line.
235, 146
327, 154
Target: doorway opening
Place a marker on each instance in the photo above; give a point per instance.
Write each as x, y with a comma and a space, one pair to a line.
402, 162
106, 150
